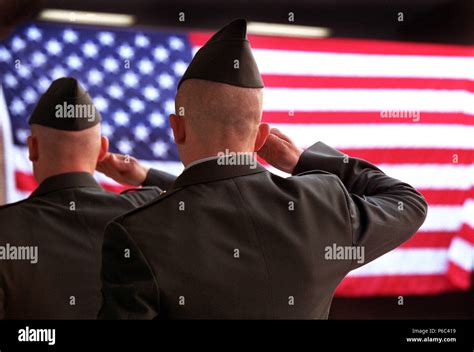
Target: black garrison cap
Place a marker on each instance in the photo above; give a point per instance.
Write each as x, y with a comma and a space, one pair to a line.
226, 58
65, 106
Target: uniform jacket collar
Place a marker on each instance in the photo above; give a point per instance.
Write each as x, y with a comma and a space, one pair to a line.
211, 170
66, 180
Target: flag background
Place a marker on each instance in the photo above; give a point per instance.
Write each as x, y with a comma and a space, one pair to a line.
335, 90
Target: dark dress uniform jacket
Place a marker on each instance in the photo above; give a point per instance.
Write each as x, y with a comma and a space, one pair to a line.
65, 218
234, 242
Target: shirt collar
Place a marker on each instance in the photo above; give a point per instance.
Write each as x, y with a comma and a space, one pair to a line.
66, 180
195, 162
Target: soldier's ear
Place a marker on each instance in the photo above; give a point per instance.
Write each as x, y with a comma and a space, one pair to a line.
33, 153
104, 148
177, 125
262, 135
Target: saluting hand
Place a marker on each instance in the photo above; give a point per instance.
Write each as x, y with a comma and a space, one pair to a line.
280, 151
124, 169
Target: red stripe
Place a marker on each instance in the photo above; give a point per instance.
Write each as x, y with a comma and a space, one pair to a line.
430, 239
446, 197
296, 81
380, 156
364, 117
334, 45
114, 188
439, 239
394, 285
413, 155
458, 276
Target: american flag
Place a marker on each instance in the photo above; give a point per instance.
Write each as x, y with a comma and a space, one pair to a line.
406, 107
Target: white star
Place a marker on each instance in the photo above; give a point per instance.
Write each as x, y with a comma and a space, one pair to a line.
90, 49
4, 54
169, 106
160, 54
126, 51
95, 77
110, 64
145, 66
57, 72
18, 44
136, 105
10, 80
157, 119
101, 103
24, 72
69, 36
17, 107
151, 93
74, 62
115, 91
43, 83
107, 130
141, 132
33, 33
106, 38
141, 41
165, 81
22, 135
159, 148
179, 68
130, 79
30, 95
121, 118
176, 43
54, 47
38, 58
125, 146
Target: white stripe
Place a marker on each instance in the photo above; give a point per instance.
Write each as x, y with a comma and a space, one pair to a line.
423, 100
287, 62
406, 262
432, 176
381, 135
468, 212
462, 254
444, 218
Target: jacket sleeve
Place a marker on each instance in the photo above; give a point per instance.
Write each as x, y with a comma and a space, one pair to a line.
159, 179
383, 212
129, 288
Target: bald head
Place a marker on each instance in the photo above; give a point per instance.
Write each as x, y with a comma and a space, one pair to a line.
219, 111
55, 151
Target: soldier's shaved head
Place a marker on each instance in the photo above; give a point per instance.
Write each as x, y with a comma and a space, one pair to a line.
54, 151
220, 110
218, 116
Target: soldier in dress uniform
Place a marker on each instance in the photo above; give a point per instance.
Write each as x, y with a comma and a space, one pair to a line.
229, 239
50, 243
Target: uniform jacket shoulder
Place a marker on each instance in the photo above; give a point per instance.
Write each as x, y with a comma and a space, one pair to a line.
157, 199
